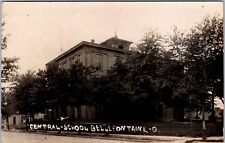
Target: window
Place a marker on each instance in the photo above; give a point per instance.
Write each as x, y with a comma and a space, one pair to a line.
63, 64
99, 62
115, 45
77, 58
71, 61
120, 46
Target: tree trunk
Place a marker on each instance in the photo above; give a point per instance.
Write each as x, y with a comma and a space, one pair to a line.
78, 119
212, 116
7, 120
26, 122
203, 125
32, 117
53, 114
213, 104
106, 126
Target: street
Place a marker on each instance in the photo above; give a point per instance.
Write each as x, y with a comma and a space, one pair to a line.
15, 137
21, 137
18, 137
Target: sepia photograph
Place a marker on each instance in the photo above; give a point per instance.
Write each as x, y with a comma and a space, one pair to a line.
112, 72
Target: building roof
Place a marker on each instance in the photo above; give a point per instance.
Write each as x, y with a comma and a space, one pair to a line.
88, 44
116, 39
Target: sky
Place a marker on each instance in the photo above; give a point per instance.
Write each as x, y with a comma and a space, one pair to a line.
39, 30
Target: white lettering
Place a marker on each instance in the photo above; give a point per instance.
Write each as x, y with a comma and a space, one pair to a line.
65, 127
49, 126
129, 127
39, 126
118, 129
123, 128
93, 128
44, 125
31, 126
154, 129
81, 127
133, 128
97, 128
77, 128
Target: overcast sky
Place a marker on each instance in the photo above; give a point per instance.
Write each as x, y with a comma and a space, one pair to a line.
38, 30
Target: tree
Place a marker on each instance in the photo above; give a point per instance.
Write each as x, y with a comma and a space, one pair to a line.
30, 94
8, 77
204, 66
79, 87
8, 65
57, 89
148, 70
137, 81
112, 93
176, 46
25, 93
68, 87
172, 71
7, 105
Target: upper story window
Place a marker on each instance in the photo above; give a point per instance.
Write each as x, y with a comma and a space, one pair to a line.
71, 61
115, 45
63, 64
99, 62
120, 47
77, 58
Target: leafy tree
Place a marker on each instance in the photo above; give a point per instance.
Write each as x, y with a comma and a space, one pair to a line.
172, 71
8, 77
9, 69
175, 42
137, 82
151, 43
112, 92
30, 94
204, 66
68, 87
7, 105
40, 86
26, 94
57, 88
147, 74
205, 47
8, 65
79, 87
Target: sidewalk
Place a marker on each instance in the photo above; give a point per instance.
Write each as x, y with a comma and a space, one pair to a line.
126, 137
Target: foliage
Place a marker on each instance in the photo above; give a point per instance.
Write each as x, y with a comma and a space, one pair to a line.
9, 69
7, 103
26, 94
204, 59
8, 77
8, 65
112, 92
79, 86
57, 85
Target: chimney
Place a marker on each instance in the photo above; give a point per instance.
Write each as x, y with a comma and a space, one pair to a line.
92, 41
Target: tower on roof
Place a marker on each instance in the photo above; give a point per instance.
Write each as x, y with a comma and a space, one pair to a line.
116, 43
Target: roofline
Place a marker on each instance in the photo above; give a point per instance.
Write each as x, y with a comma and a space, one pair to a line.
81, 44
117, 39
